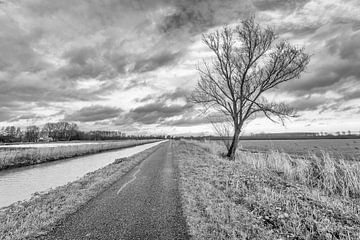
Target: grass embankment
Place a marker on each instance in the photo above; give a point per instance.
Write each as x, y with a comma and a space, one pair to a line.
268, 196
12, 158
39, 215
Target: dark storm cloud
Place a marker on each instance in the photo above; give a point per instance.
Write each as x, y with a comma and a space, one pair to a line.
322, 77
185, 121
335, 68
83, 63
308, 103
153, 113
136, 82
345, 46
266, 5
93, 113
15, 111
27, 116
104, 64
336, 107
195, 16
24, 88
150, 63
319, 79
178, 93
159, 109
17, 53
349, 95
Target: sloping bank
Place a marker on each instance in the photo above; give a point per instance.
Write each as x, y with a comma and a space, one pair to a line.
37, 216
270, 196
20, 157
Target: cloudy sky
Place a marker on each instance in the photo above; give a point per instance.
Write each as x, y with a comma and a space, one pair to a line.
128, 64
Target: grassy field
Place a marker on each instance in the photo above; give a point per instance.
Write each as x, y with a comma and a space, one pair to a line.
267, 195
347, 148
17, 157
35, 217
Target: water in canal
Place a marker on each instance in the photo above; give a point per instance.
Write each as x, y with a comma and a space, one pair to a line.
19, 183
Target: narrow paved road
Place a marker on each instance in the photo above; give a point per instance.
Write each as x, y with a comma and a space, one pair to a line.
144, 204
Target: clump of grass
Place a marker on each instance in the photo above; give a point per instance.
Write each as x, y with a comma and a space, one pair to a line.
266, 196
37, 216
331, 175
11, 158
335, 176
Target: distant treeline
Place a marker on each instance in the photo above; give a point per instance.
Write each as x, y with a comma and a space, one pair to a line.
286, 136
61, 131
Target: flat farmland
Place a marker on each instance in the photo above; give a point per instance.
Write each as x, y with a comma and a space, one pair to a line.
346, 148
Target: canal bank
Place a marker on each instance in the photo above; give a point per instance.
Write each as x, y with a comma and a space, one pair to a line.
20, 183
40, 214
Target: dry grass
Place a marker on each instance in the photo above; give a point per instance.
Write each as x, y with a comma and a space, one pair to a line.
344, 148
10, 158
268, 196
334, 176
37, 216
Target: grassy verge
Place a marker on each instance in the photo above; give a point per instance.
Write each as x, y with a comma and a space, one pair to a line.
12, 158
37, 216
268, 196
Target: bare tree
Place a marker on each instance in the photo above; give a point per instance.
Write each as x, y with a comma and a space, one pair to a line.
248, 62
60, 130
32, 133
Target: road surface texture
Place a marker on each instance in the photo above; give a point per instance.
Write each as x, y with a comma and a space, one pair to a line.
144, 204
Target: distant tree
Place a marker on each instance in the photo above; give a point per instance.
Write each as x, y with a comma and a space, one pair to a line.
60, 130
70, 130
10, 131
32, 133
18, 134
2, 134
49, 131
248, 63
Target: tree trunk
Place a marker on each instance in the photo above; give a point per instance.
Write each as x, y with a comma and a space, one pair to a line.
234, 143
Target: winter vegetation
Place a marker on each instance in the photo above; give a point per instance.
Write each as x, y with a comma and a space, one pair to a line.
267, 195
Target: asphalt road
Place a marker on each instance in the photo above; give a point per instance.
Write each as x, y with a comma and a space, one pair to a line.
144, 204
